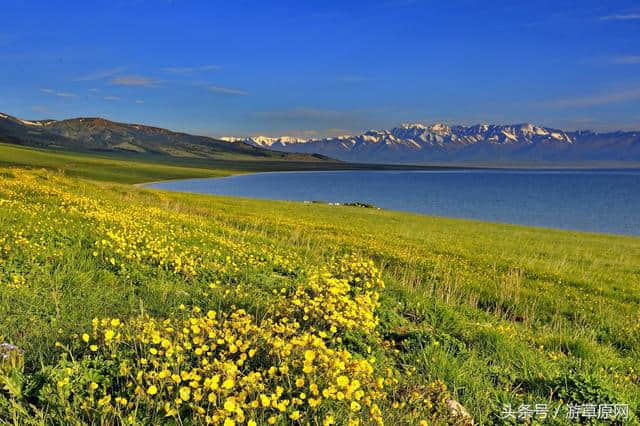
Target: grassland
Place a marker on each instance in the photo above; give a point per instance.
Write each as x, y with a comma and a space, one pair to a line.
139, 168
103, 168
131, 305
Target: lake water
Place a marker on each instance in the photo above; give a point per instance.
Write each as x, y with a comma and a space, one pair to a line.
591, 200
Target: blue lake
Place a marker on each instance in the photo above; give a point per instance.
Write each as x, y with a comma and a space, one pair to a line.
590, 200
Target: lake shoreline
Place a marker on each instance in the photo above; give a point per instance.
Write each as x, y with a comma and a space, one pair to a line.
595, 166
589, 200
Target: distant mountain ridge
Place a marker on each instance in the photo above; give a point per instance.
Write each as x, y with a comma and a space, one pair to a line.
405, 144
99, 134
418, 143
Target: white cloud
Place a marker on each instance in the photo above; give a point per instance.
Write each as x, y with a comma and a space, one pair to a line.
111, 98
60, 94
100, 75
134, 80
139, 101
598, 99
191, 70
227, 90
621, 17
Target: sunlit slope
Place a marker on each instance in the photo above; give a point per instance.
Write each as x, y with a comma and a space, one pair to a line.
107, 168
141, 168
134, 304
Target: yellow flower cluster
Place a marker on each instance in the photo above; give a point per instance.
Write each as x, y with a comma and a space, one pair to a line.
343, 300
228, 368
134, 243
132, 237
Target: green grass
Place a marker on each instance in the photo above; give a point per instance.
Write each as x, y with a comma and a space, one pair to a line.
101, 168
499, 313
141, 168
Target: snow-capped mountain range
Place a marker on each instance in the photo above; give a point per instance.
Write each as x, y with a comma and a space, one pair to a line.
405, 144
418, 143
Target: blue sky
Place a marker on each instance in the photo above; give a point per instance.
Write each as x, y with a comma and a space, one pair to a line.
316, 68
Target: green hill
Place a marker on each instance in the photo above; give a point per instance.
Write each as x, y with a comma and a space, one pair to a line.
100, 135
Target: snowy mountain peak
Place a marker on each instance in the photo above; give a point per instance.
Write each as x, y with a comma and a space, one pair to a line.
232, 139
413, 126
419, 127
439, 127
409, 141
266, 141
417, 136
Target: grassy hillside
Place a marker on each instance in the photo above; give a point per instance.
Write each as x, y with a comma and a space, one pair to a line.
98, 135
140, 168
130, 305
105, 168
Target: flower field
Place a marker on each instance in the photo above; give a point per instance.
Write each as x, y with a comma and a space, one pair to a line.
121, 305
